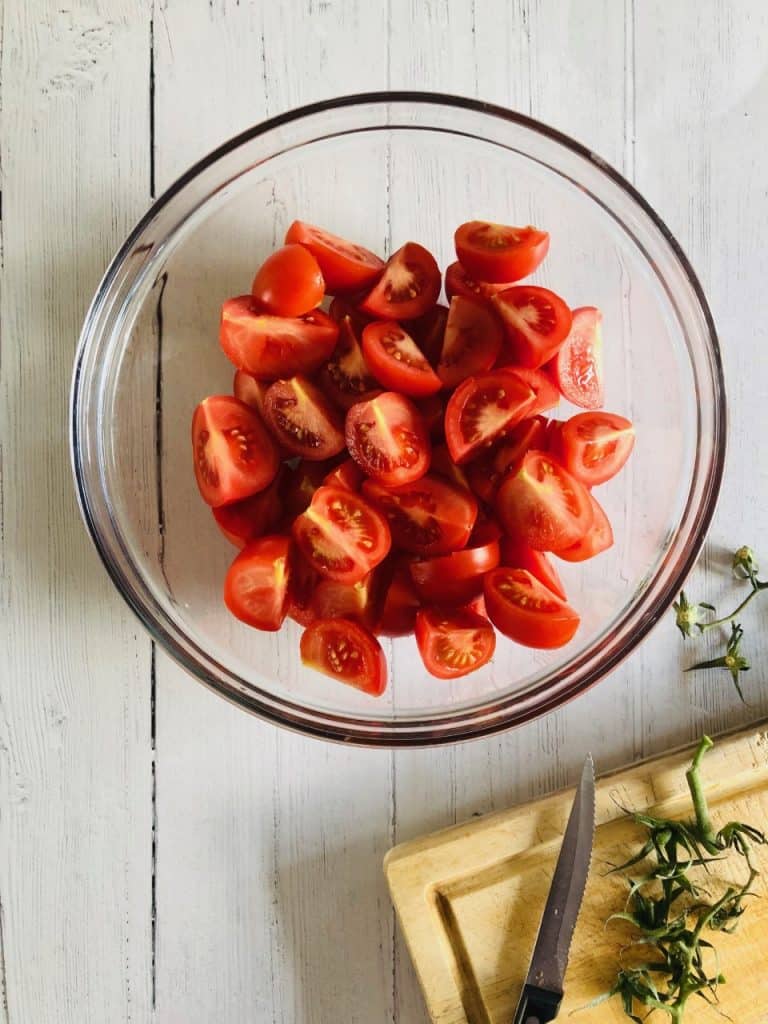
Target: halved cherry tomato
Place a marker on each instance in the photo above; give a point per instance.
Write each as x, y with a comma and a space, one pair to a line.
498, 252
428, 517
388, 440
408, 287
481, 410
486, 473
303, 582
347, 474
243, 521
345, 651
536, 320
275, 346
401, 603
577, 368
428, 333
361, 602
289, 282
543, 504
515, 554
250, 390
598, 538
341, 535
346, 267
523, 609
346, 378
256, 586
453, 642
473, 339
459, 282
396, 361
432, 411
443, 464
303, 420
547, 395
233, 453
454, 578
595, 445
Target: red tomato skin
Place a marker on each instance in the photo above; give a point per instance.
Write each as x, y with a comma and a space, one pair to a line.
544, 621
431, 623
372, 679
398, 617
458, 281
529, 346
267, 556
361, 602
411, 268
414, 449
347, 475
486, 473
472, 341
577, 442
455, 578
598, 538
443, 516
547, 395
245, 520
428, 332
517, 399
224, 424
396, 361
289, 282
524, 250
577, 370
443, 465
248, 389
432, 412
346, 267
516, 554
269, 346
302, 583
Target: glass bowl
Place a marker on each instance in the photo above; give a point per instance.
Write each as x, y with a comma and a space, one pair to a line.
382, 169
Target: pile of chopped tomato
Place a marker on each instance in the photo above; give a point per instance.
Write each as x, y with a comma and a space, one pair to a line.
388, 467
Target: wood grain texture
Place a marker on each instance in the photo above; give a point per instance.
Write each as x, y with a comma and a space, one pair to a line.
265, 841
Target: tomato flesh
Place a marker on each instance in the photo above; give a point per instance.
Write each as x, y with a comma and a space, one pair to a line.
577, 369
543, 504
256, 586
459, 282
537, 323
341, 535
499, 252
428, 333
473, 339
408, 288
234, 456
345, 266
347, 652
388, 440
481, 410
453, 643
289, 282
398, 616
598, 538
444, 466
361, 602
303, 420
455, 578
427, 517
243, 521
248, 389
595, 445
269, 346
347, 474
546, 394
396, 361
523, 609
346, 378
515, 554
486, 473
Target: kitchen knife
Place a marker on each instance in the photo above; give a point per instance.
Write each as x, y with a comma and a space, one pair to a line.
543, 990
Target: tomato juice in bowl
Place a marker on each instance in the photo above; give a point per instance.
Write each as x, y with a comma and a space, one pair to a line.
383, 169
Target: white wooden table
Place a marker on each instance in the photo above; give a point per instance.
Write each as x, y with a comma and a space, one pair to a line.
164, 857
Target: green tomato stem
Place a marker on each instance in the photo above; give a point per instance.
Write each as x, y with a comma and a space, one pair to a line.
695, 785
757, 586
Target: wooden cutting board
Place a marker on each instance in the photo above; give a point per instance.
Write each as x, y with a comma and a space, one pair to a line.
469, 899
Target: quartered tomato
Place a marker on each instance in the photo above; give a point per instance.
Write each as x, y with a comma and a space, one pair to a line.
346, 378
299, 483
396, 361
388, 440
598, 539
256, 586
453, 643
432, 412
443, 464
341, 535
537, 323
428, 332
523, 609
543, 504
275, 346
515, 554
347, 652
346, 267
408, 287
427, 517
243, 521
401, 603
547, 395
233, 453
498, 252
486, 472
303, 420
473, 339
347, 474
303, 582
577, 368
481, 410
250, 390
459, 282
289, 282
456, 578
341, 308
595, 445
361, 602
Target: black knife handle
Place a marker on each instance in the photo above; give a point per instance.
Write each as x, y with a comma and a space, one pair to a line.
537, 1006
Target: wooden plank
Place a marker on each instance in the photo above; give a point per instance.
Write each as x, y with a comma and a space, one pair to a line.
75, 860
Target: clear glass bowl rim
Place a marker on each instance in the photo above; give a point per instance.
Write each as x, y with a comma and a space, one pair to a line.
451, 727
